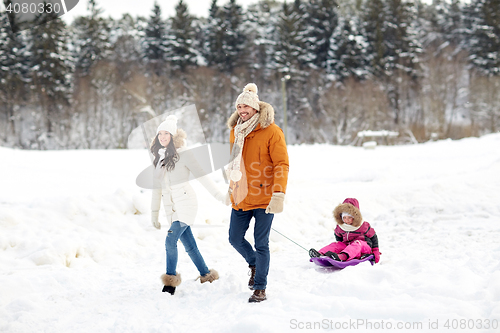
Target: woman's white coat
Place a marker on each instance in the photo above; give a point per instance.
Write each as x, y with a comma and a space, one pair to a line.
178, 196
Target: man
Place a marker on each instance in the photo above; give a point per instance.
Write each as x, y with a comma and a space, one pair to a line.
258, 172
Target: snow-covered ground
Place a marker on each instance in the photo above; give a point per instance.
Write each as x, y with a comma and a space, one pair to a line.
78, 252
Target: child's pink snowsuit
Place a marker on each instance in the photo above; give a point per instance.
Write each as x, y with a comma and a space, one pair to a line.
354, 243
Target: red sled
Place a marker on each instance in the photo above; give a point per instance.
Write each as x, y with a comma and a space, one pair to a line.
325, 261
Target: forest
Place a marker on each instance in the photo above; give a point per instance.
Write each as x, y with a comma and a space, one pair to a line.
338, 67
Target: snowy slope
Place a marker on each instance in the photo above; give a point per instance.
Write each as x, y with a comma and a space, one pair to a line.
78, 253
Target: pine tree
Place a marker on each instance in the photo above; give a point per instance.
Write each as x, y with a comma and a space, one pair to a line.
301, 41
402, 46
233, 40
347, 56
483, 23
182, 39
455, 23
51, 66
14, 18
260, 45
223, 41
13, 70
212, 49
126, 41
291, 54
14, 67
92, 44
13, 57
393, 46
446, 22
5, 49
484, 36
443, 66
322, 20
392, 43
154, 43
374, 27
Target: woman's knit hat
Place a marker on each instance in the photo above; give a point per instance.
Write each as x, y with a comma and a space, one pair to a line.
169, 125
249, 97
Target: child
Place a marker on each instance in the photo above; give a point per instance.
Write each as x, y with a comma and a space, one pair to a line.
354, 237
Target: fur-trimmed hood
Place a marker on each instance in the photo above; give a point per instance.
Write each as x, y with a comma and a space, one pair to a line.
179, 138
266, 116
351, 206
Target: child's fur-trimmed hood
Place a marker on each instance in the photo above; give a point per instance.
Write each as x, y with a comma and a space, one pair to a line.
350, 206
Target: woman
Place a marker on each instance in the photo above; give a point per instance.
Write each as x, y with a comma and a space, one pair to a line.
173, 167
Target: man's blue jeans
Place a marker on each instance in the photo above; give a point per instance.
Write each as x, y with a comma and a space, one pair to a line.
179, 230
260, 257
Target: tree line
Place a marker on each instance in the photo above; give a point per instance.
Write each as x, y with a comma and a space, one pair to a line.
341, 66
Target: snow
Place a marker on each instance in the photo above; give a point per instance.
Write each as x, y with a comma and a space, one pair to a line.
78, 252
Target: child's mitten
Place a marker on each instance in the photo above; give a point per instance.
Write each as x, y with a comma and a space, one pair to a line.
376, 254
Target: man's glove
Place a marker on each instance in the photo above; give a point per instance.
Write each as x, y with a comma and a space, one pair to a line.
276, 203
154, 220
376, 254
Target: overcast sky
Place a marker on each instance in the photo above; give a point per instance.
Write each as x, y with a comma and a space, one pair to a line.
116, 8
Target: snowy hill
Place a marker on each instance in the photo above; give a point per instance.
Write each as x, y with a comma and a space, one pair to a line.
78, 253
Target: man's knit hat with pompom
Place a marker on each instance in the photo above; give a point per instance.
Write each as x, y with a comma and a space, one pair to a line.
249, 97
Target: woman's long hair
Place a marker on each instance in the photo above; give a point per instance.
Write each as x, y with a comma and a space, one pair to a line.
171, 156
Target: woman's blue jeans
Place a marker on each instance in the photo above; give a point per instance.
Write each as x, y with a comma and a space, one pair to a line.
179, 230
260, 257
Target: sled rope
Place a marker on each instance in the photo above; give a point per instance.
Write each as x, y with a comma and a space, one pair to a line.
290, 239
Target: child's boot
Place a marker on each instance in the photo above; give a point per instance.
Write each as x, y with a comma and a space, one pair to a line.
337, 256
314, 254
